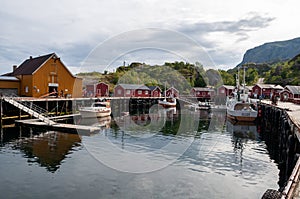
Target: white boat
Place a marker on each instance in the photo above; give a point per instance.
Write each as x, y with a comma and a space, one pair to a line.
168, 102
241, 111
97, 109
239, 108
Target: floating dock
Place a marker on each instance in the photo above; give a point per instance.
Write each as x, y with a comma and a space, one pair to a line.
59, 126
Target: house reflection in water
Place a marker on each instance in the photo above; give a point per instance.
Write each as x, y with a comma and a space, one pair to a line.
50, 149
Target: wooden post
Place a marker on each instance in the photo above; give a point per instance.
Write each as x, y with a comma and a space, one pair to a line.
56, 107
67, 106
1, 112
74, 106
31, 102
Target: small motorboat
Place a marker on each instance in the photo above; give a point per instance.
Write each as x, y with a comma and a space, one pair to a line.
97, 109
167, 102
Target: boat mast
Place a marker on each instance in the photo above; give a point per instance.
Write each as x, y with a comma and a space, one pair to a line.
165, 90
244, 81
238, 79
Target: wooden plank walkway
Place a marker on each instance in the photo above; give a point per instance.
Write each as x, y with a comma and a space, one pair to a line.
292, 190
293, 111
60, 126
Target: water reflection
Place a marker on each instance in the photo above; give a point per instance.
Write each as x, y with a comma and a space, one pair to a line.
234, 156
46, 148
103, 122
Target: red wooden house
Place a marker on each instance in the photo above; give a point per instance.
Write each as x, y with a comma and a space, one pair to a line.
155, 91
225, 90
89, 90
131, 90
290, 93
102, 90
203, 92
265, 90
172, 92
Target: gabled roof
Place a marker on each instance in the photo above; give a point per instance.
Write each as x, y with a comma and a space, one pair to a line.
202, 89
293, 89
266, 85
133, 86
172, 88
278, 87
153, 88
228, 87
29, 66
272, 86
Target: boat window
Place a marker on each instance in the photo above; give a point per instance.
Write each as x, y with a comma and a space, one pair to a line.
241, 106
99, 105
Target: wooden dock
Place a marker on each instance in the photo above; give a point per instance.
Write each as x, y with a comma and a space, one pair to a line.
60, 126
292, 112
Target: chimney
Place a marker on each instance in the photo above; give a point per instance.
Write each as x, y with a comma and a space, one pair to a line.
14, 68
30, 57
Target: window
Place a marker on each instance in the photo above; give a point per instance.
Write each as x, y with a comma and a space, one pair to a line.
26, 89
146, 92
127, 92
222, 91
140, 92
119, 91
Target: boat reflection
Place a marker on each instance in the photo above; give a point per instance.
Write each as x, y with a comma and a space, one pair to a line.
94, 121
242, 130
154, 116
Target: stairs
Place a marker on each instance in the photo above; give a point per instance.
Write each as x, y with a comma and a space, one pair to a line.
31, 109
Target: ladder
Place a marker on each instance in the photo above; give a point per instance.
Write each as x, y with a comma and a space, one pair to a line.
31, 109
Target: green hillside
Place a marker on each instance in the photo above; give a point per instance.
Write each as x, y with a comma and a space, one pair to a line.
272, 52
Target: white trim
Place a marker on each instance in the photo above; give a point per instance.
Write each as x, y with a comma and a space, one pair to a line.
53, 84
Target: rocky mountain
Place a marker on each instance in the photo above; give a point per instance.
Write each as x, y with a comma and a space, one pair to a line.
273, 52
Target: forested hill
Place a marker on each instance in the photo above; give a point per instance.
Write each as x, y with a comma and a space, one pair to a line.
272, 52
282, 73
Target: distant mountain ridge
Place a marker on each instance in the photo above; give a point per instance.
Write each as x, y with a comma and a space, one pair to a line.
273, 52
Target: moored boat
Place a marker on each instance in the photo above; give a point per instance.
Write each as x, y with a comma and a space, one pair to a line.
97, 109
167, 102
241, 111
239, 108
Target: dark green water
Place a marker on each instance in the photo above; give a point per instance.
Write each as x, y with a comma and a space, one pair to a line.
135, 157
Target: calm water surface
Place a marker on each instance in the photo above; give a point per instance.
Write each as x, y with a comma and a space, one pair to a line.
231, 162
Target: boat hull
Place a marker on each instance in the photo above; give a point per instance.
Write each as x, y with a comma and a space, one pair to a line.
242, 116
93, 114
167, 104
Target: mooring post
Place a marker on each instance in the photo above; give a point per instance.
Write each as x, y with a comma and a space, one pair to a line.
56, 107
1, 111
31, 102
67, 106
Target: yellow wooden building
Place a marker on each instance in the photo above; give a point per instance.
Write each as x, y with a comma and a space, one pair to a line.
43, 76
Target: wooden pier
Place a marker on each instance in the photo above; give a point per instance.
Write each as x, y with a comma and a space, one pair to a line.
60, 126
285, 117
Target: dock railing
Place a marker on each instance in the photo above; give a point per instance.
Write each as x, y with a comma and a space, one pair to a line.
30, 108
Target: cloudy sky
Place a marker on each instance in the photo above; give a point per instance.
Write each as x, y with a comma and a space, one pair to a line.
74, 29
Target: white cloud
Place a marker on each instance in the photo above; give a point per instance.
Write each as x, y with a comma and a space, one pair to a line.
73, 28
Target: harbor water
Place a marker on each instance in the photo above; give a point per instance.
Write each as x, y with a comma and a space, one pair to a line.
227, 161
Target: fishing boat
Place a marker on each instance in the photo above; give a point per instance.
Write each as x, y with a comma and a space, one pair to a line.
241, 111
239, 107
97, 109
